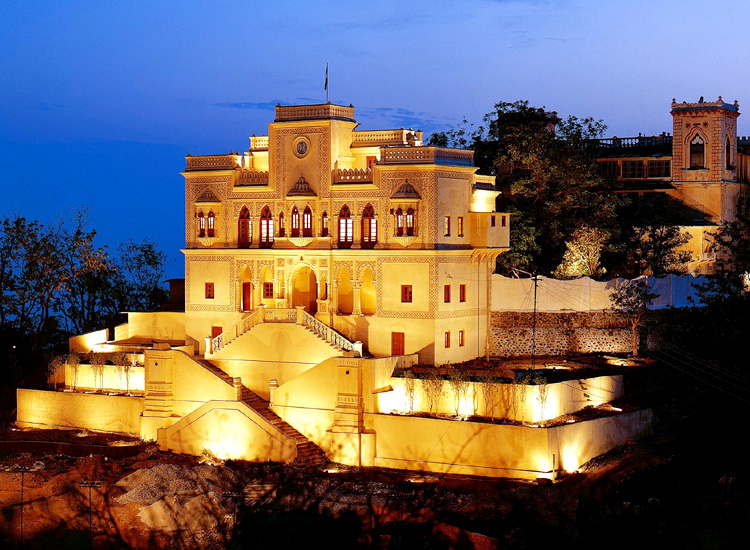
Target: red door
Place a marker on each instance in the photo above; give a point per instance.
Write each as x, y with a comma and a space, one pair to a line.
215, 331
247, 296
397, 343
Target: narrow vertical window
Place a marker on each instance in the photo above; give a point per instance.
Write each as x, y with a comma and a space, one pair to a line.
460, 226
295, 222
345, 228
369, 227
503, 221
244, 236
697, 152
728, 148
446, 293
447, 339
211, 219
410, 222
462, 293
282, 229
307, 222
492, 221
399, 222
460, 338
266, 228
447, 226
209, 291
201, 224
324, 225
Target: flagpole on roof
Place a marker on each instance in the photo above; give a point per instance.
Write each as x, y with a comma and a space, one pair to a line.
326, 84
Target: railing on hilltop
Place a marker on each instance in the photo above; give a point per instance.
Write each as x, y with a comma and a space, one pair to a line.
280, 315
628, 142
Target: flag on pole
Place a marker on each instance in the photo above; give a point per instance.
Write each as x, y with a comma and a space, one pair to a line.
325, 86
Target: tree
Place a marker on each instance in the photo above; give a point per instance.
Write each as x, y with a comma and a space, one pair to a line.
650, 240
460, 386
632, 300
139, 276
432, 384
410, 389
654, 250
547, 175
583, 255
88, 293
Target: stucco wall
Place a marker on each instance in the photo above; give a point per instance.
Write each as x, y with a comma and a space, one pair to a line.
46, 409
562, 398
84, 343
228, 430
113, 380
160, 325
433, 445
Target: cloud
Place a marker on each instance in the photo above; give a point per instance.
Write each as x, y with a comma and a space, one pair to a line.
402, 118
262, 105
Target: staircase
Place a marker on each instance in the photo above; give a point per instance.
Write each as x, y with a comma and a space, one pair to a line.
277, 315
213, 369
307, 452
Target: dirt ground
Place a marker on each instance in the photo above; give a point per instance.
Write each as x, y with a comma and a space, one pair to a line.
684, 486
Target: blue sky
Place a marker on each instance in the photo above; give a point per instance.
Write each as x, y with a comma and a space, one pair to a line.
101, 101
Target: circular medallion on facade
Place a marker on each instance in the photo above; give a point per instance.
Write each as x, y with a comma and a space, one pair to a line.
301, 147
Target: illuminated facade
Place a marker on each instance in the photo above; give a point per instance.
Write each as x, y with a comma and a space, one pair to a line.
387, 241
319, 265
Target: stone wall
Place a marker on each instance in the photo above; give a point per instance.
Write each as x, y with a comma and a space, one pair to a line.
558, 333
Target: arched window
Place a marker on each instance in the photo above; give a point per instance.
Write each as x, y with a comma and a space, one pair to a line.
369, 227
266, 228
282, 229
324, 225
244, 231
307, 222
399, 222
211, 219
728, 149
697, 152
295, 222
201, 224
345, 228
410, 222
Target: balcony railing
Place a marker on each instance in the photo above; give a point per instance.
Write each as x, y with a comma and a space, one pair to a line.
385, 137
259, 143
308, 112
627, 142
212, 162
353, 175
252, 177
427, 155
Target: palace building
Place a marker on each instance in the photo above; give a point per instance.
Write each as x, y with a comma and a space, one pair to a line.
387, 241
321, 266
